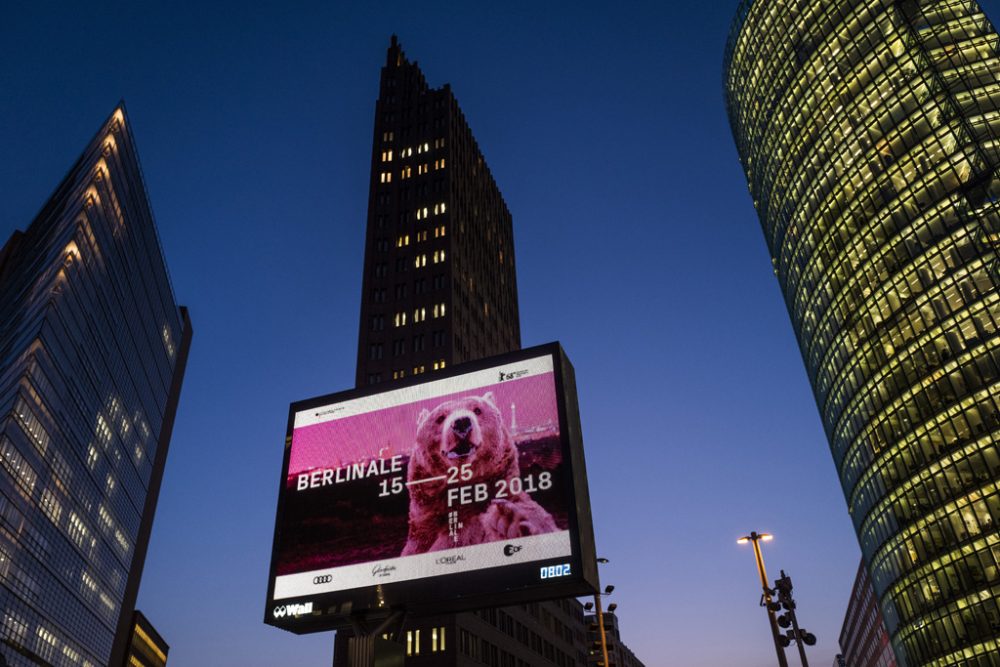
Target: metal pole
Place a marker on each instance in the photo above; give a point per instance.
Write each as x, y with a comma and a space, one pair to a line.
795, 626
600, 623
782, 661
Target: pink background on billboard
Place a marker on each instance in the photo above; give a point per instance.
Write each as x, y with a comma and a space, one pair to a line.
359, 438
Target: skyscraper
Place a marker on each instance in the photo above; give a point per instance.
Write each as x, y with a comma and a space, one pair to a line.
868, 133
92, 355
863, 637
440, 288
439, 282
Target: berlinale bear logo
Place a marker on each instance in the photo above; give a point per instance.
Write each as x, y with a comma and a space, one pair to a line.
464, 462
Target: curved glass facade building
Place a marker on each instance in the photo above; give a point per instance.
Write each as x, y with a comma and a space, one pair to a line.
869, 133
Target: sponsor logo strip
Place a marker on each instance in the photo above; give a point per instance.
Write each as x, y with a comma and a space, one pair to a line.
460, 383
419, 566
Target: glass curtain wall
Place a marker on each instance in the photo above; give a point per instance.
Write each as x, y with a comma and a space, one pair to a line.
868, 132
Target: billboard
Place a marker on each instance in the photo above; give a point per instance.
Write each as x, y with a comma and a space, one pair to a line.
462, 490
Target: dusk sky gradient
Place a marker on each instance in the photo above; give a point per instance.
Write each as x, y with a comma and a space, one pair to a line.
637, 247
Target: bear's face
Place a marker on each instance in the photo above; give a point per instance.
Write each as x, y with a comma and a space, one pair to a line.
464, 431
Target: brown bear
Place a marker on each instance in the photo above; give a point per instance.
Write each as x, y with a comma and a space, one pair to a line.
464, 442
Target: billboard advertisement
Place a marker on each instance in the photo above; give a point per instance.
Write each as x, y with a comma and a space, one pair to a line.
467, 488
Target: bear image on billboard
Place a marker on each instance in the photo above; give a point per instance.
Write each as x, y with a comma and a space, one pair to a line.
464, 441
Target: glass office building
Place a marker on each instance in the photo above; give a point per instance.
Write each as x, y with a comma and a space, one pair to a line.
868, 131
92, 353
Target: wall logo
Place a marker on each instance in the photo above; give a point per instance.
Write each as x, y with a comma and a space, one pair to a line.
511, 549
322, 579
293, 610
512, 375
449, 560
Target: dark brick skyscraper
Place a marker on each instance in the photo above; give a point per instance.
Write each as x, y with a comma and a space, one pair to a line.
440, 288
439, 284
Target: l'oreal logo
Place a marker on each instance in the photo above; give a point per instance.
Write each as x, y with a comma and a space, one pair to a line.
293, 610
449, 560
512, 374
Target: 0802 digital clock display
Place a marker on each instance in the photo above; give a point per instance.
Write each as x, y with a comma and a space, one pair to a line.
552, 571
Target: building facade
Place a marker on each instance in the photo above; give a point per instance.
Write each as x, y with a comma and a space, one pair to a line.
864, 641
92, 354
146, 647
867, 132
619, 655
440, 288
440, 284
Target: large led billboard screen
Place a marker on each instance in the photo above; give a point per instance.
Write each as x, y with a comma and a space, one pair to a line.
462, 490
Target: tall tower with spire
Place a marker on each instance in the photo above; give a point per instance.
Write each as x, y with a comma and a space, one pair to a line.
440, 288
439, 285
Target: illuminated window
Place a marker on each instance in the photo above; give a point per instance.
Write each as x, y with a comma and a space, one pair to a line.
403, 240
422, 213
413, 642
51, 506
439, 208
400, 319
15, 464
422, 236
33, 427
387, 156
422, 169
439, 164
76, 529
406, 152
423, 148
439, 256
46, 645
439, 232
438, 365
439, 142
419, 314
438, 633
405, 173
439, 310
387, 177
417, 370
419, 261
398, 375
387, 137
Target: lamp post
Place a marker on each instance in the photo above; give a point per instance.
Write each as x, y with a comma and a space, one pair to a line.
600, 615
756, 538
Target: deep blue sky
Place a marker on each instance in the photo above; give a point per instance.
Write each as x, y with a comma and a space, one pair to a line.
637, 246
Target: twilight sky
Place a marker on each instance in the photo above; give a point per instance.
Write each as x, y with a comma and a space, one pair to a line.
637, 248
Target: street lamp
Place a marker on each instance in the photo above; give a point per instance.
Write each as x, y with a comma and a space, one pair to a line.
766, 602
600, 614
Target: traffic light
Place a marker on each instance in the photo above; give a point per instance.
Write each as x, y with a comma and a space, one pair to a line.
783, 588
